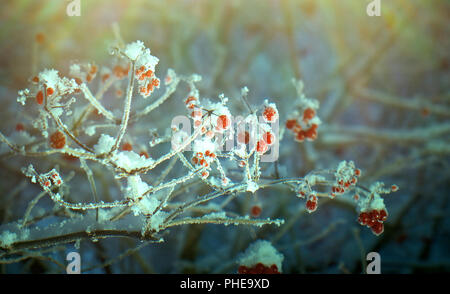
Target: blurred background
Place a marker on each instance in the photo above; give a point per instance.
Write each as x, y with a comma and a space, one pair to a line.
383, 85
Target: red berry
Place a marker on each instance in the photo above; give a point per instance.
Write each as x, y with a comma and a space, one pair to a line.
259, 268
363, 218
311, 133
50, 91
127, 147
300, 136
243, 137
382, 215
270, 114
196, 114
20, 127
375, 215
268, 137
69, 157
190, 100
261, 147
243, 270
155, 82
223, 122
311, 205
291, 123
40, 38
377, 228
256, 211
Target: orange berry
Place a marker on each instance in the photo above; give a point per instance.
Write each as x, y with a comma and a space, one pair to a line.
311, 133
261, 147
268, 137
105, 77
50, 91
270, 114
57, 140
311, 205
93, 70
256, 211
40, 97
150, 88
20, 127
290, 123
190, 99
196, 114
118, 71
127, 147
69, 157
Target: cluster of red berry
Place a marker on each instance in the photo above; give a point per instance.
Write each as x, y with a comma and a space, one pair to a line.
342, 186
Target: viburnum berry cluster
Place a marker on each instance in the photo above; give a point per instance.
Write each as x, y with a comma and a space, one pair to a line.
343, 181
373, 212
260, 258
303, 121
258, 269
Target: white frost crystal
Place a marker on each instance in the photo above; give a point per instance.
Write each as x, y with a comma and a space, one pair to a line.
104, 144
